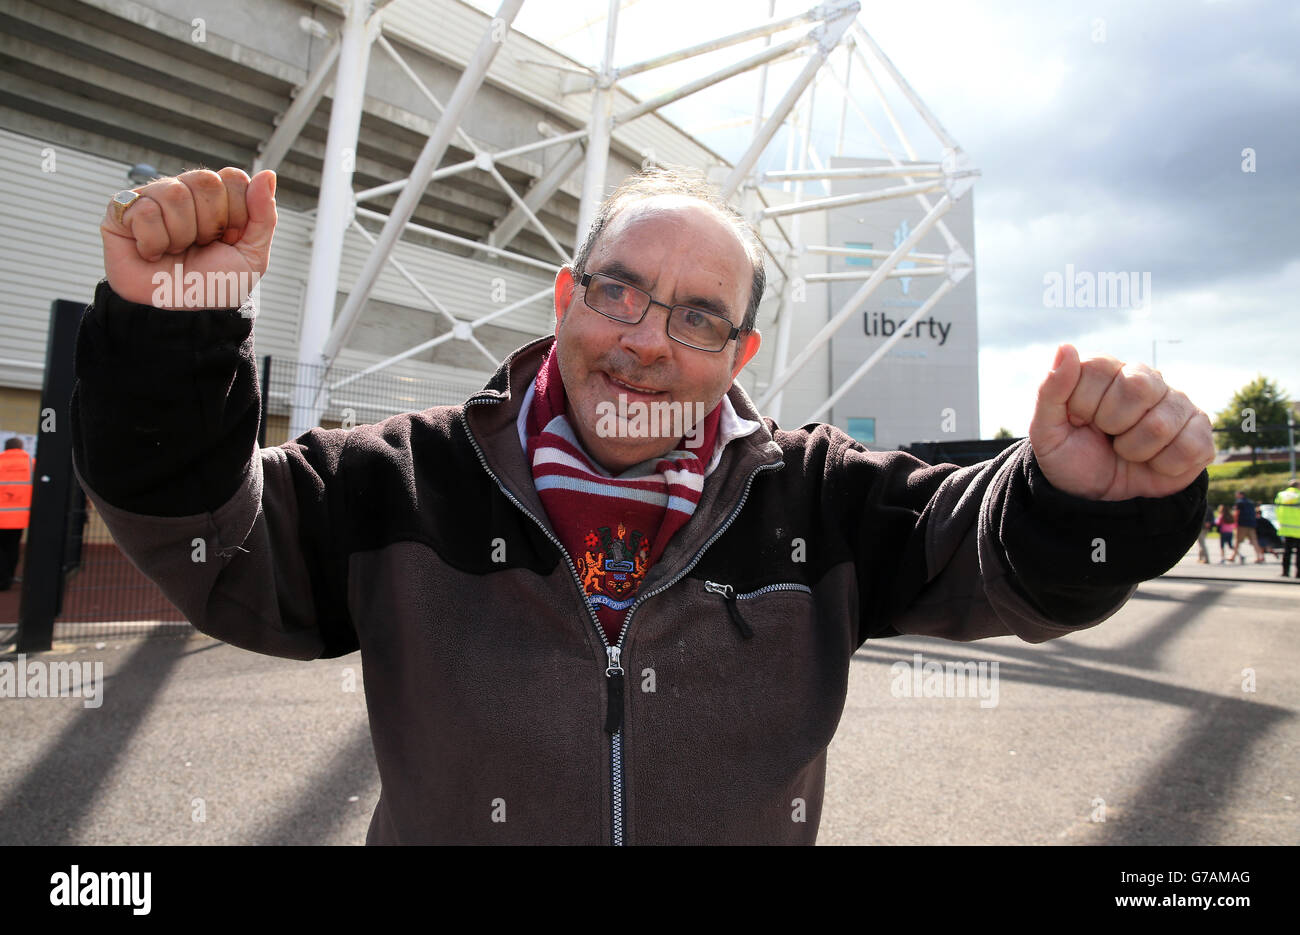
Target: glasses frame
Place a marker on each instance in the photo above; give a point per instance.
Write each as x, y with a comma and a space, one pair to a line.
586, 278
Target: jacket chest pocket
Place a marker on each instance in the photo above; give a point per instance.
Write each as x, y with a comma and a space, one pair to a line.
776, 649
718, 697
743, 639
735, 602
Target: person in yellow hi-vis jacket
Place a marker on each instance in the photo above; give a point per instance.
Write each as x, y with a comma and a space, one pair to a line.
15, 505
1288, 525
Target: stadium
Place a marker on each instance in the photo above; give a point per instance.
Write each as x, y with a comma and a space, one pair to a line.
435, 167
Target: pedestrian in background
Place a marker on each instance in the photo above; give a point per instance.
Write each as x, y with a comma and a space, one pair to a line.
1288, 525
1226, 529
15, 506
1202, 550
1246, 520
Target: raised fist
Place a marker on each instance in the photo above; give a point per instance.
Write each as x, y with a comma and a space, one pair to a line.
201, 239
1104, 430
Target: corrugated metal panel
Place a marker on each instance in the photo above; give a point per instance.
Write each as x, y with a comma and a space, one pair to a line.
466, 382
463, 285
451, 31
49, 242
52, 249
255, 50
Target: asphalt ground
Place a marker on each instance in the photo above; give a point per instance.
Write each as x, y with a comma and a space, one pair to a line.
1174, 722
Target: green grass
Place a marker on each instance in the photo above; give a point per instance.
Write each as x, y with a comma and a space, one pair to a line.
1245, 469
1261, 489
1225, 471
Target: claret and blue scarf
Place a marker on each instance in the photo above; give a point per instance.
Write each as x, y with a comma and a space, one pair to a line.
614, 527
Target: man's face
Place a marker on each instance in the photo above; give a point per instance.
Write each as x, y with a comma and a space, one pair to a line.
681, 253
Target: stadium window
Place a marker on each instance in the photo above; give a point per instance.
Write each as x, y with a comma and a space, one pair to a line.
859, 260
862, 430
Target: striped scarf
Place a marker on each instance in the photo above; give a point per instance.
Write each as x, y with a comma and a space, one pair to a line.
613, 527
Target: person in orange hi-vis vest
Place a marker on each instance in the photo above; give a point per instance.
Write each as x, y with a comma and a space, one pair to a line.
15, 505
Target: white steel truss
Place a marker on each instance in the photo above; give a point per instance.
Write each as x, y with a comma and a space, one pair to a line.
835, 26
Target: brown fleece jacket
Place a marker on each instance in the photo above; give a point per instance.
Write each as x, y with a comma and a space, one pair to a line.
491, 689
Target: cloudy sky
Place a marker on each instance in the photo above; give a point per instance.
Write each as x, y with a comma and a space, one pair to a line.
1109, 136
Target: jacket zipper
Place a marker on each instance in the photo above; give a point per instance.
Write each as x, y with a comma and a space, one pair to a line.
616, 769
614, 672
784, 586
730, 597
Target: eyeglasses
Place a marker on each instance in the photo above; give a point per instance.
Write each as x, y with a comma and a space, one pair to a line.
704, 331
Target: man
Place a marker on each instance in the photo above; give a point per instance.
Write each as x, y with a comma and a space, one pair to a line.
1244, 515
1288, 525
1203, 550
572, 631
15, 506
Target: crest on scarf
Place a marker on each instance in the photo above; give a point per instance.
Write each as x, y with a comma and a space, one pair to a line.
613, 562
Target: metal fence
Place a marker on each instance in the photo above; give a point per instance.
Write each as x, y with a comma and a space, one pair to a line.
96, 593
345, 397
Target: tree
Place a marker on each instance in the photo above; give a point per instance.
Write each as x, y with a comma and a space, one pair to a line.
1253, 417
1003, 432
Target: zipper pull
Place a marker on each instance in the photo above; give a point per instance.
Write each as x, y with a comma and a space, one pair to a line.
614, 691
729, 599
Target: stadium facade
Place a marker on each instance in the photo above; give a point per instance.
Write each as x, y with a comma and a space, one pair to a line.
91, 88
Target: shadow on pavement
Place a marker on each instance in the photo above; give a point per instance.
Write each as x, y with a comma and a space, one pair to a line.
58, 792
321, 807
1180, 798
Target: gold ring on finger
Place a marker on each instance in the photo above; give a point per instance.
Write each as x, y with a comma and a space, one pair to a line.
121, 201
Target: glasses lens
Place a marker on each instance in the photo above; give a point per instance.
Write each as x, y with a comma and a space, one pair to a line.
704, 330
615, 299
